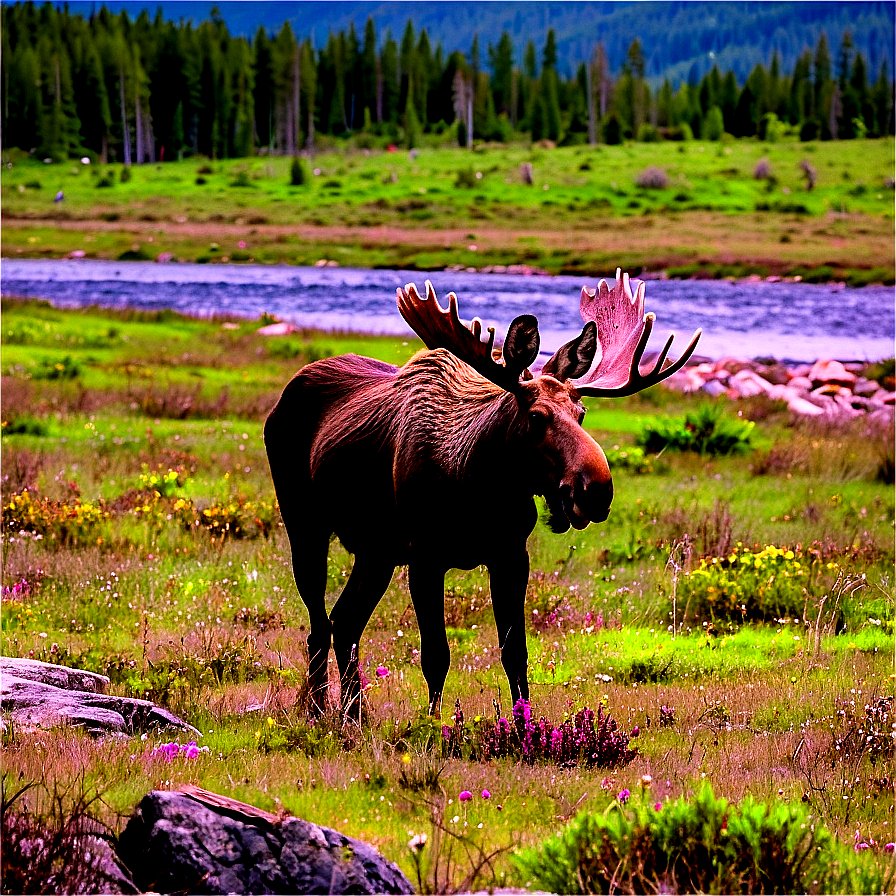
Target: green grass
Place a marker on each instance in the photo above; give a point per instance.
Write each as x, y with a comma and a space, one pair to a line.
726, 222
213, 627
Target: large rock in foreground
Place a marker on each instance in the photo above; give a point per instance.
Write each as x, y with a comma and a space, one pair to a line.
199, 842
42, 695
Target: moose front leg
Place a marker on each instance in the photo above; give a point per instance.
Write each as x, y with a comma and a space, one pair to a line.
509, 575
427, 585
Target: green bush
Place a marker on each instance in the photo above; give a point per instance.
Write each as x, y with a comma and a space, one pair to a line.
298, 176
125, 174
705, 431
704, 846
745, 585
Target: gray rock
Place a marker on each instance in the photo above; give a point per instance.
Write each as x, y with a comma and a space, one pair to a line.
33, 704
199, 842
58, 676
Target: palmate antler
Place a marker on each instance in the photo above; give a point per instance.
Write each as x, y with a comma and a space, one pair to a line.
622, 333
442, 328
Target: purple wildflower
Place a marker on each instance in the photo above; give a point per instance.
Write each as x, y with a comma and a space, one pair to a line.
623, 795
465, 795
486, 795
382, 671
657, 806
889, 847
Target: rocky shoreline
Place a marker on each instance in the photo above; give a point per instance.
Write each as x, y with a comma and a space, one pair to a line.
827, 388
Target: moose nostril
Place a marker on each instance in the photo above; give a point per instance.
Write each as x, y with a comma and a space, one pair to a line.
598, 498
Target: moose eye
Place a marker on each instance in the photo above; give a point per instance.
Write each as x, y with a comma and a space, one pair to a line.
581, 417
538, 421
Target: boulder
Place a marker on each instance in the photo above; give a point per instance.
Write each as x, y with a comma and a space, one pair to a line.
831, 373
54, 695
59, 676
281, 328
194, 841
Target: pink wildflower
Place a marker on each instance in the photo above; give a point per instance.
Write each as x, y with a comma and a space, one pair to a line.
486, 795
623, 795
465, 795
382, 671
657, 806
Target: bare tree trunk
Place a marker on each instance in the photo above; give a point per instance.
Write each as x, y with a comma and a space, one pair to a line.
470, 116
138, 129
124, 122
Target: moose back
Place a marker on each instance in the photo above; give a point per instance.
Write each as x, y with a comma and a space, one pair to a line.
436, 464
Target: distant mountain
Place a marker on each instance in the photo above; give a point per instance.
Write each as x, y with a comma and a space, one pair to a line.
681, 40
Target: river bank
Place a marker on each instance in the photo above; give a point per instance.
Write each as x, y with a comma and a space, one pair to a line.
583, 213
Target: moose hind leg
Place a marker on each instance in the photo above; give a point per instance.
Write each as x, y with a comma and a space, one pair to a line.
310, 572
369, 579
427, 585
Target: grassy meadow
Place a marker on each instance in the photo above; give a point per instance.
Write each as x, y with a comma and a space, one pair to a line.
706, 212
738, 610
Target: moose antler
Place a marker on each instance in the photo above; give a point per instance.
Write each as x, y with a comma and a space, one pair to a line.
442, 328
622, 332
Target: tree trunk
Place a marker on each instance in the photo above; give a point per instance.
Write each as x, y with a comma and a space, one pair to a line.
138, 129
124, 122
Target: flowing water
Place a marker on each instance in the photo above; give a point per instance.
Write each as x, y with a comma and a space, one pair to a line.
788, 321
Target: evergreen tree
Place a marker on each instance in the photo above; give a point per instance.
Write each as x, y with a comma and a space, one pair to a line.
370, 73
500, 59
263, 98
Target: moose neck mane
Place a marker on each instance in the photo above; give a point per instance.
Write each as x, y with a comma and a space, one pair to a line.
453, 412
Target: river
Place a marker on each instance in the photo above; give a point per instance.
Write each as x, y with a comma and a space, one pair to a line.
788, 321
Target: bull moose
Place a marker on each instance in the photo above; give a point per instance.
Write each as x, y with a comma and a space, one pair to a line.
436, 464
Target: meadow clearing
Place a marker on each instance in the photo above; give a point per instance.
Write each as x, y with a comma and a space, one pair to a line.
728, 208
737, 608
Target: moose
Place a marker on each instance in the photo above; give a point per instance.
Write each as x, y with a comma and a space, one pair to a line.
435, 466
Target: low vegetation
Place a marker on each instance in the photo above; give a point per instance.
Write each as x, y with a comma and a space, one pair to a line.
576, 209
731, 624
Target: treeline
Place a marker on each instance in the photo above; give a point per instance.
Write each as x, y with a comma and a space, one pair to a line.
148, 89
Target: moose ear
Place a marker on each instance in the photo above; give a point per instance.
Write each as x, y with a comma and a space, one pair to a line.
521, 343
574, 359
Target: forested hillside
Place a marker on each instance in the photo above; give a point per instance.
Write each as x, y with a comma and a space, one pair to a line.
680, 40
146, 88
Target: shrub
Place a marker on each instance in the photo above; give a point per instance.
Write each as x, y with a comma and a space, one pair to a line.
632, 458
747, 585
125, 174
242, 178
648, 133
298, 176
71, 524
585, 739
466, 179
763, 170
24, 426
652, 178
705, 431
66, 369
704, 846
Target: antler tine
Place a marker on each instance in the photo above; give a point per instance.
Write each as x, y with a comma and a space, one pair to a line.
623, 330
442, 328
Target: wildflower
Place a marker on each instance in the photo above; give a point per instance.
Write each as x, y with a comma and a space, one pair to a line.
406, 758
486, 795
417, 842
465, 795
382, 671
889, 847
657, 806
271, 722
191, 751
623, 795
635, 731
646, 780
